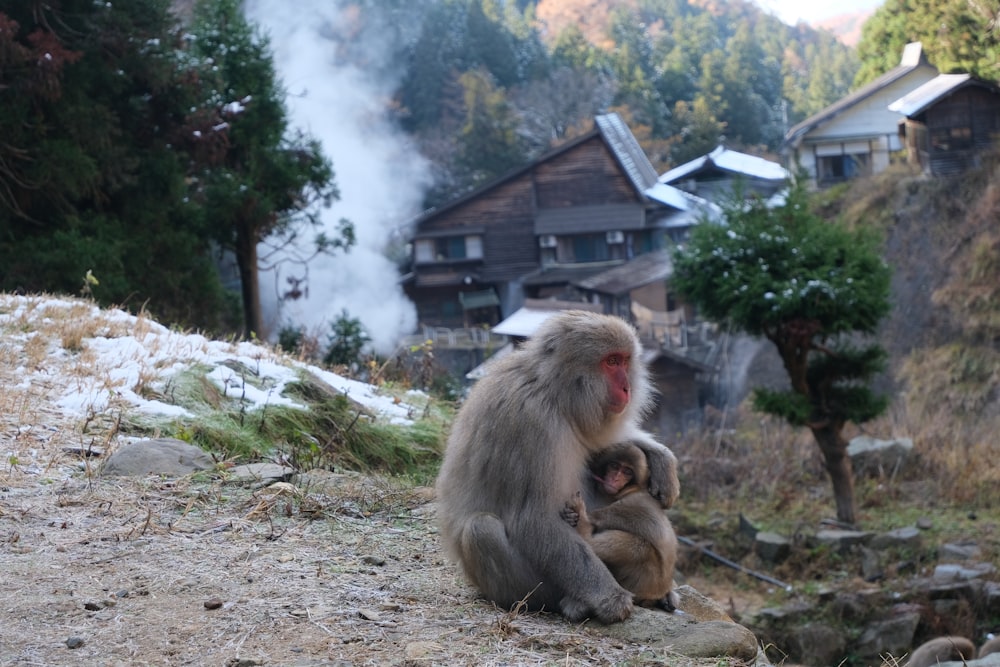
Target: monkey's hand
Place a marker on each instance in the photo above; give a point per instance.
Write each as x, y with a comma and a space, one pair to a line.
571, 511
663, 482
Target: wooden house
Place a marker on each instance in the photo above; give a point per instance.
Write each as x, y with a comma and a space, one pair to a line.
721, 173
589, 204
856, 135
948, 122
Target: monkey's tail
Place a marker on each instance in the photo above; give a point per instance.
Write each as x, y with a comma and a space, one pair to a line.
732, 564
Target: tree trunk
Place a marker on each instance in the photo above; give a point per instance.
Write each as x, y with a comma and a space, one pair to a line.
246, 259
838, 464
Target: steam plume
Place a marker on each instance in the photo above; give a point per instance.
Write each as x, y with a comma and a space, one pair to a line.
338, 79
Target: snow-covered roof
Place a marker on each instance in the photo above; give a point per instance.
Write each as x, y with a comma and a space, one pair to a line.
669, 195
731, 161
920, 98
526, 320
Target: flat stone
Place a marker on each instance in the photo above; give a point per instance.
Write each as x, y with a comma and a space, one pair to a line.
900, 537
843, 539
702, 629
159, 456
264, 473
772, 547
956, 572
880, 457
959, 550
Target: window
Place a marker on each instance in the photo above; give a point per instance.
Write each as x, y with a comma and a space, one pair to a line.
837, 168
589, 248
448, 248
951, 139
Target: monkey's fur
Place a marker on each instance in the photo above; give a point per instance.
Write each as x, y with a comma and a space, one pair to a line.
632, 535
942, 649
991, 646
518, 449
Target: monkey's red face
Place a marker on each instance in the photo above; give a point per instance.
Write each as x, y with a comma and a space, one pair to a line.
615, 369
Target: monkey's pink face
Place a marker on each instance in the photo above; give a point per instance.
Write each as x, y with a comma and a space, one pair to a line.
616, 477
615, 368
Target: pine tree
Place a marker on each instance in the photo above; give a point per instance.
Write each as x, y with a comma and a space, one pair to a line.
269, 181
815, 290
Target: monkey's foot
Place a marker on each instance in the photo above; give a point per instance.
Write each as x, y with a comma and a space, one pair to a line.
669, 603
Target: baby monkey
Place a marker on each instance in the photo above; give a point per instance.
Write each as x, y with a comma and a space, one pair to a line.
631, 534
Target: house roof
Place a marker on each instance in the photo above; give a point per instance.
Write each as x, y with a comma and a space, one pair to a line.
724, 159
943, 85
616, 135
913, 58
560, 274
627, 150
526, 320
643, 270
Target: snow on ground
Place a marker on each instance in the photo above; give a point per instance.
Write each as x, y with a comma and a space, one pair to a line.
65, 359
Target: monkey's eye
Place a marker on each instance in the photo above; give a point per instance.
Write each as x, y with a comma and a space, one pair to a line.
615, 360
628, 472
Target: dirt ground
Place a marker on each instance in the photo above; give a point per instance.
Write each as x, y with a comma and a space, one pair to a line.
203, 571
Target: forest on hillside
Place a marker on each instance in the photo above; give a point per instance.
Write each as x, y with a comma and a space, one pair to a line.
142, 140
489, 85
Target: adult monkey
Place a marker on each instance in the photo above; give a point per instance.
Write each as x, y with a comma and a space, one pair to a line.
519, 448
631, 535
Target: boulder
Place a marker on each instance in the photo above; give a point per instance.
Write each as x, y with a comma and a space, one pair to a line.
892, 636
771, 547
158, 456
685, 633
870, 456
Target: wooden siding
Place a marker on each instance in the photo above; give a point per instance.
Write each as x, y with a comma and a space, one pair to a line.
586, 175
974, 109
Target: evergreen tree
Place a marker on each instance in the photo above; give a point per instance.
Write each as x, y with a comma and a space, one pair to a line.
956, 35
268, 181
489, 144
99, 108
698, 131
812, 288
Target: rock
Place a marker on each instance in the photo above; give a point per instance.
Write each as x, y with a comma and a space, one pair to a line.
816, 644
843, 540
892, 636
260, 473
879, 457
954, 572
683, 633
74, 642
900, 537
771, 547
699, 607
158, 456
992, 660
959, 550
991, 597
420, 650
795, 609
871, 565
